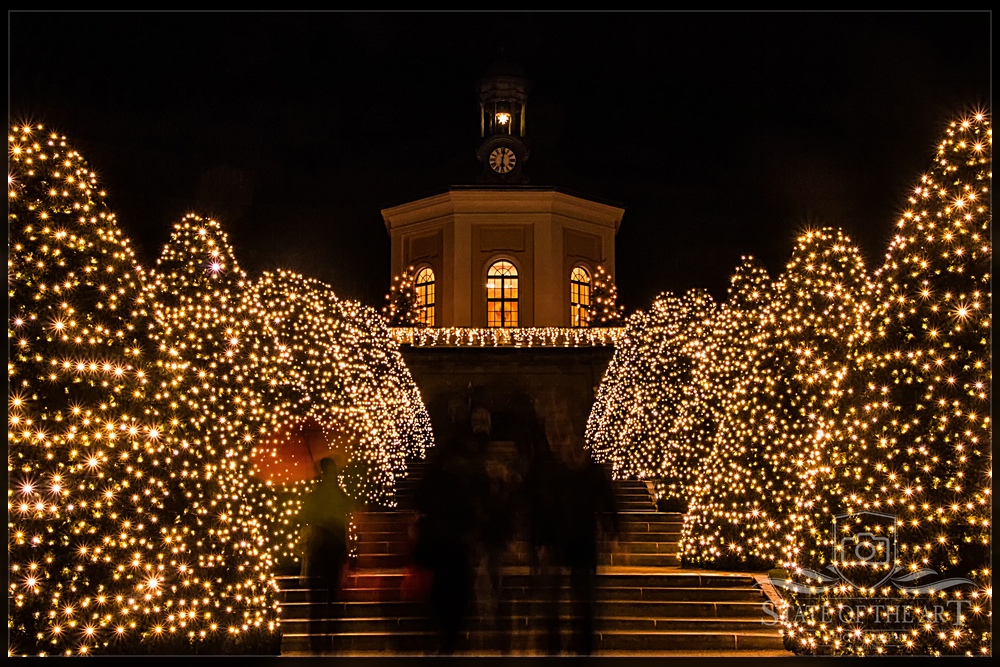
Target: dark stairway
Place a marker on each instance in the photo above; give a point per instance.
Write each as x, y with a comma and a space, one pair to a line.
646, 603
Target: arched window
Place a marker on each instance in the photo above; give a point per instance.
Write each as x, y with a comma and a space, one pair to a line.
579, 297
424, 285
501, 295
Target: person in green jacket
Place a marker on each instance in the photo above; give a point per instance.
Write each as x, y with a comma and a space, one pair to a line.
324, 516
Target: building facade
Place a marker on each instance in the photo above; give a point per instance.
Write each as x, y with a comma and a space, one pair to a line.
503, 272
498, 256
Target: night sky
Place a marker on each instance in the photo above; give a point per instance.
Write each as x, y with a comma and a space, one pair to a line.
721, 134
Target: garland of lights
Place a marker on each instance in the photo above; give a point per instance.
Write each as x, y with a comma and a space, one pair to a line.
505, 337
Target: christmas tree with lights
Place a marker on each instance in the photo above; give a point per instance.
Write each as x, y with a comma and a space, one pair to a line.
903, 562
648, 420
204, 329
605, 311
285, 374
344, 373
125, 533
756, 494
401, 308
610, 424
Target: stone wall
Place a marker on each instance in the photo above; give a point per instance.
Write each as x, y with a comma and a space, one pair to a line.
521, 387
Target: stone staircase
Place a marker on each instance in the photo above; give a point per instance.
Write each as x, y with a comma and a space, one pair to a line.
639, 613
646, 603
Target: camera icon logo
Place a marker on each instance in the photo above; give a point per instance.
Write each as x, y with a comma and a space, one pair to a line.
868, 548
865, 547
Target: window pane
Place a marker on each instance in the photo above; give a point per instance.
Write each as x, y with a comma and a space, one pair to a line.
579, 296
501, 295
424, 287
510, 315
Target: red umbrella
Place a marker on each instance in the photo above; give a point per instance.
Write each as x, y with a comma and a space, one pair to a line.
292, 453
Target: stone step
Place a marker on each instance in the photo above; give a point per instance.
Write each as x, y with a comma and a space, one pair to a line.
604, 594
638, 536
382, 561
639, 560
649, 522
531, 641
399, 546
637, 506
648, 547
641, 555
422, 622
299, 611
519, 577
630, 519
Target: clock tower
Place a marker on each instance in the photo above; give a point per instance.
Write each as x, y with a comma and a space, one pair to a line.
503, 149
503, 272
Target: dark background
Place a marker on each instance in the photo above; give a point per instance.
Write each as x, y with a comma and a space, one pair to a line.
722, 134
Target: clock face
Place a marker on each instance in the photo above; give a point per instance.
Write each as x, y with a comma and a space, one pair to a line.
502, 159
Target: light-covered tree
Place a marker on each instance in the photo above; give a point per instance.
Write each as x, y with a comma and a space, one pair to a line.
604, 311
401, 306
205, 334
649, 419
910, 470
343, 371
126, 534
756, 493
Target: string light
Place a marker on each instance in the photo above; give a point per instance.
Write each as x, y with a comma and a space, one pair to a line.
401, 307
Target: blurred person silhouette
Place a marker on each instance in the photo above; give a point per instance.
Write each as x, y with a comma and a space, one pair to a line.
448, 513
324, 514
496, 486
575, 509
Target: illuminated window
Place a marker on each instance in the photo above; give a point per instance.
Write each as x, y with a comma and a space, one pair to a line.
425, 296
501, 295
579, 297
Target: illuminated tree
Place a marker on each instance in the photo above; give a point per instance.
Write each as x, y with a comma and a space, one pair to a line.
910, 473
616, 414
605, 311
286, 373
757, 492
649, 419
195, 293
125, 534
401, 308
343, 372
